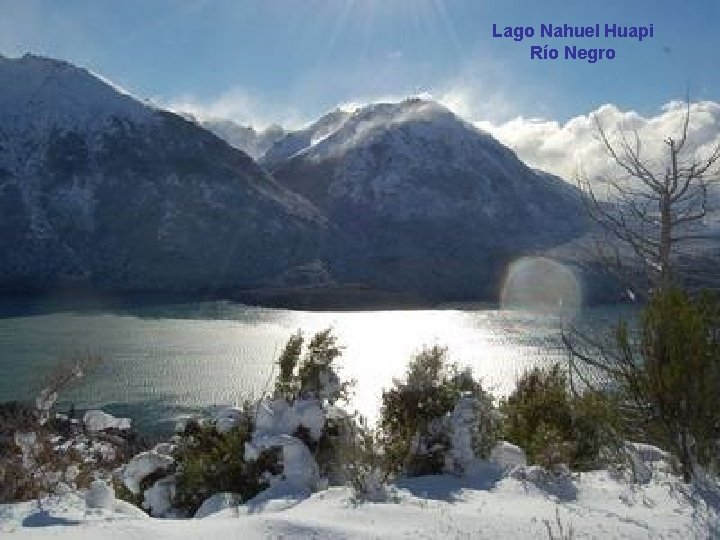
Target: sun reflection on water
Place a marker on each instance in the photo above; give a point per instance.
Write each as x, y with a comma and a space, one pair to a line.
186, 357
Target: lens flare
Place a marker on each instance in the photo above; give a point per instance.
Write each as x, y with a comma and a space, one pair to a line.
541, 284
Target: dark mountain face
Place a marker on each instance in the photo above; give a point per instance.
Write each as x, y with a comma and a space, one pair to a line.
100, 190
97, 188
425, 201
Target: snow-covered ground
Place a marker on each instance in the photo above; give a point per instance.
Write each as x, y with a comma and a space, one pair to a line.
593, 505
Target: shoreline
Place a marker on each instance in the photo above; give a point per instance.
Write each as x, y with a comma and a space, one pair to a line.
316, 299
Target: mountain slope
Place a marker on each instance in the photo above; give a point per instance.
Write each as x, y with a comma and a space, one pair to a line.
297, 141
98, 188
426, 200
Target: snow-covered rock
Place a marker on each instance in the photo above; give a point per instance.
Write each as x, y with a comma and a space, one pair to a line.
100, 495
157, 499
143, 465
228, 418
218, 503
299, 466
463, 429
277, 417
97, 420
508, 456
645, 461
164, 448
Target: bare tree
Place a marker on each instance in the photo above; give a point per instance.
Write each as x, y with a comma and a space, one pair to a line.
655, 210
666, 375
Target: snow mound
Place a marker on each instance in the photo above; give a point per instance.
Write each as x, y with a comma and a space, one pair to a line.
508, 456
442, 506
158, 499
100, 495
646, 461
558, 483
299, 466
279, 497
143, 465
97, 420
220, 502
278, 417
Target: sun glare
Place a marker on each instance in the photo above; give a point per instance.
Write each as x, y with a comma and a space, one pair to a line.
541, 284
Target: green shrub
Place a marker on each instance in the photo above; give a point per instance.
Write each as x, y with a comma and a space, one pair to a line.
676, 376
313, 374
363, 465
287, 384
210, 462
555, 427
413, 418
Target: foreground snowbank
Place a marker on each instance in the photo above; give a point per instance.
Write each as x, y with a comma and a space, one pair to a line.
599, 506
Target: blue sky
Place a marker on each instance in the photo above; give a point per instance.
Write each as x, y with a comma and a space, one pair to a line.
289, 61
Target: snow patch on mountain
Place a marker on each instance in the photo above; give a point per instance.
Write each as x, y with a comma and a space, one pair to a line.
413, 158
44, 92
298, 141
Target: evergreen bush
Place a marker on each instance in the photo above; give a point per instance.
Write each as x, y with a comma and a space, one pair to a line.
415, 423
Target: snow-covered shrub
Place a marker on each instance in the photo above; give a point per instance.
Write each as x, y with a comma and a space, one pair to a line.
363, 465
64, 375
287, 384
640, 463
42, 451
292, 437
308, 389
143, 466
38, 463
210, 462
96, 420
555, 427
437, 419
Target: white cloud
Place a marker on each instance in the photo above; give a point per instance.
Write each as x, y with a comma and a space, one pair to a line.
562, 148
566, 148
239, 105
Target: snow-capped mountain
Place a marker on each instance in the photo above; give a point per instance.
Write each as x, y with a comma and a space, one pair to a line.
246, 138
101, 189
97, 187
297, 141
426, 200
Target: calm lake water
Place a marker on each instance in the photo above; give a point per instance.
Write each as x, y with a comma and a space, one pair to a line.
167, 360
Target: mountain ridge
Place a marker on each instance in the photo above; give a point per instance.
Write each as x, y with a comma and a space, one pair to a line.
424, 199
100, 189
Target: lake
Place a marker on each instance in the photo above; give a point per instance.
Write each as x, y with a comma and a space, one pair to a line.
166, 360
